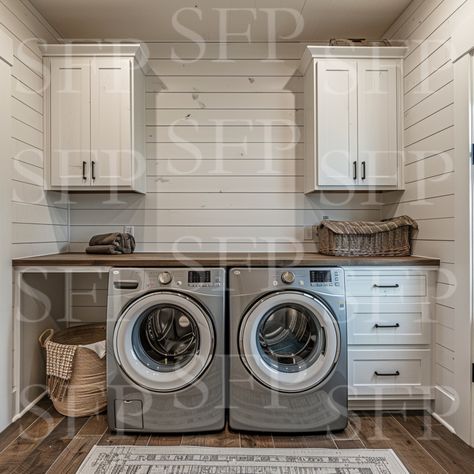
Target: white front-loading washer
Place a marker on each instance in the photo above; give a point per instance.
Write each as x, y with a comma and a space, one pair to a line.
165, 357
288, 351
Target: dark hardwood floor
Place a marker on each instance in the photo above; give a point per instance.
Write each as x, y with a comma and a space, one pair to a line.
45, 441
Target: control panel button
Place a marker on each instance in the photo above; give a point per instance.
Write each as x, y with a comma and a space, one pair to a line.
165, 278
288, 277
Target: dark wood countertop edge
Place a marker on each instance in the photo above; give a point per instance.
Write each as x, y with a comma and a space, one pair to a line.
162, 260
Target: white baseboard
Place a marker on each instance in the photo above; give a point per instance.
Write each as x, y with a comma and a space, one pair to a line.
443, 422
28, 407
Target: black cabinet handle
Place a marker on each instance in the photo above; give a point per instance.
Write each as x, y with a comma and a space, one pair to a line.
93, 170
379, 326
354, 170
84, 177
363, 170
385, 374
386, 286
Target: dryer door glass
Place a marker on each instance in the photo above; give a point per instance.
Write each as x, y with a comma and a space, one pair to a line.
166, 337
290, 338
164, 341
289, 341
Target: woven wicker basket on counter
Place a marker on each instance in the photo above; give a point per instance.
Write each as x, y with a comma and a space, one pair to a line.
391, 238
87, 389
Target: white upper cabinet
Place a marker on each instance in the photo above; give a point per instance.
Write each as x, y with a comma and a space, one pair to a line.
353, 119
94, 118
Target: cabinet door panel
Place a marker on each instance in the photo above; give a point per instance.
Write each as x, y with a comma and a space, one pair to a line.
337, 122
111, 136
378, 122
70, 122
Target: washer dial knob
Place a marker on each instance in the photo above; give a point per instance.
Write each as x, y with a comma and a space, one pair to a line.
165, 278
288, 277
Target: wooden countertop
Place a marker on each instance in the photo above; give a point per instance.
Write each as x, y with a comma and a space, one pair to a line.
216, 260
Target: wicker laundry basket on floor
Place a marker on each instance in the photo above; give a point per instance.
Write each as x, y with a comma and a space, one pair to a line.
390, 238
86, 392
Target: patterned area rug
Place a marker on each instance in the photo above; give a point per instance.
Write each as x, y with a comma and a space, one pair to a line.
197, 460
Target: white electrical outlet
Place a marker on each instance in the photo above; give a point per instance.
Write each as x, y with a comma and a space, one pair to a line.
308, 232
129, 229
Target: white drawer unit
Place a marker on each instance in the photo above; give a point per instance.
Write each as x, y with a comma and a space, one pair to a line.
389, 334
382, 284
376, 322
390, 372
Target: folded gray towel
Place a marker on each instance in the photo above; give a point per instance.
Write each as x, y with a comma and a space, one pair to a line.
103, 249
120, 242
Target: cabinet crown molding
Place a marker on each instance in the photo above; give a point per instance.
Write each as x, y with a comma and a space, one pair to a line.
341, 52
137, 51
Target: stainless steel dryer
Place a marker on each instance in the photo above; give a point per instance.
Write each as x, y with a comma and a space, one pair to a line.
165, 350
288, 354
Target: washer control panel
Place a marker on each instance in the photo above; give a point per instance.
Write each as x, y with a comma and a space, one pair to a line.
325, 277
184, 278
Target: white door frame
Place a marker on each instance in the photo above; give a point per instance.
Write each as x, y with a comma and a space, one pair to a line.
462, 57
6, 357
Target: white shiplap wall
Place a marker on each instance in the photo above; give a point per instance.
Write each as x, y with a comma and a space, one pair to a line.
40, 220
427, 27
224, 157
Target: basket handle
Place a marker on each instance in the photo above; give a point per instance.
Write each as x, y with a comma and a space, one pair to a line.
45, 336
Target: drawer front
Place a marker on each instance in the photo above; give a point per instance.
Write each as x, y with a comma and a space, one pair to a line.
402, 323
389, 372
385, 284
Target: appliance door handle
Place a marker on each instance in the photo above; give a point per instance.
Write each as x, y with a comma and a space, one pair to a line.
386, 286
93, 170
126, 285
354, 170
387, 374
381, 326
363, 170
84, 176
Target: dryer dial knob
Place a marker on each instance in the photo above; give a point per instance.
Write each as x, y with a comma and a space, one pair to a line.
288, 277
165, 278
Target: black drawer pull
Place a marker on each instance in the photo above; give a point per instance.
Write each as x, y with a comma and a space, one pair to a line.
84, 177
93, 170
385, 374
378, 326
363, 170
354, 170
386, 286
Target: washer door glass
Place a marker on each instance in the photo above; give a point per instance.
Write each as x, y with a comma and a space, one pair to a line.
289, 341
164, 341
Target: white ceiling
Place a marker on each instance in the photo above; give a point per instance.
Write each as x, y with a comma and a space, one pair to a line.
151, 20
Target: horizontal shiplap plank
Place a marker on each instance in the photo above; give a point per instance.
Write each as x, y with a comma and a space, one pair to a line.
225, 184
23, 132
433, 208
263, 84
222, 151
198, 168
90, 297
212, 117
152, 234
206, 67
27, 173
436, 229
221, 134
211, 217
239, 200
30, 193
431, 125
225, 51
27, 154
431, 105
26, 114
20, 250
29, 233
430, 85
441, 185
89, 281
26, 95
437, 249
444, 357
24, 213
431, 145
445, 316
221, 100
433, 166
